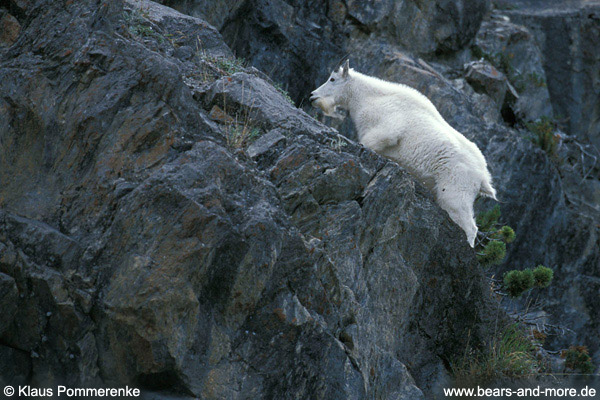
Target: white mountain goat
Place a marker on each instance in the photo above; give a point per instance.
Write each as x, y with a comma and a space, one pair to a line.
400, 123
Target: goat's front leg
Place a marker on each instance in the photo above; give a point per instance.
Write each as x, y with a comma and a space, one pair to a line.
379, 143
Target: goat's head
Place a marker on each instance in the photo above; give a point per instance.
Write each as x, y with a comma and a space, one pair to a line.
330, 94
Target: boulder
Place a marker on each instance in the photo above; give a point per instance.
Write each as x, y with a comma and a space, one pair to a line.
484, 78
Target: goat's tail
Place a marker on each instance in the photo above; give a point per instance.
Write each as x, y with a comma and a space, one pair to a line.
487, 190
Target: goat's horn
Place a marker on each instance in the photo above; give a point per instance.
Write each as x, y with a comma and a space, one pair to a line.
341, 61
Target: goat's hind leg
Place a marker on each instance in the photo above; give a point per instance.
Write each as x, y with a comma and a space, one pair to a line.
459, 206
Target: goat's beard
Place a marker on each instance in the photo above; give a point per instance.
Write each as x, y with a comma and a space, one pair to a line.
328, 107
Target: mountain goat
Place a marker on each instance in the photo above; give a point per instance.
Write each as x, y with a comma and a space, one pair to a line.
400, 123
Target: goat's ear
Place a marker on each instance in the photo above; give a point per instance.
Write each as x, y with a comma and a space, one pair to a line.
345, 69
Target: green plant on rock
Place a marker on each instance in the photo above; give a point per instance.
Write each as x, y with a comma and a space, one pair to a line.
239, 126
510, 354
240, 136
478, 53
140, 27
486, 221
503, 60
491, 248
493, 253
543, 135
543, 276
517, 282
230, 65
578, 359
506, 234
337, 143
224, 65
283, 92
522, 81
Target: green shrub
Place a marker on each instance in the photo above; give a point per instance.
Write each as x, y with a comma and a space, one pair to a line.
516, 282
577, 358
493, 253
543, 135
527, 279
492, 248
506, 234
543, 276
510, 354
487, 220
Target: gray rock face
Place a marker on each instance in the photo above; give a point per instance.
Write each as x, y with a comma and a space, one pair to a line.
436, 26
536, 200
423, 27
513, 48
215, 12
540, 200
292, 42
308, 38
139, 248
569, 39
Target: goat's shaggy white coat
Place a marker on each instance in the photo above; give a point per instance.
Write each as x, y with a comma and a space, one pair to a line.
400, 123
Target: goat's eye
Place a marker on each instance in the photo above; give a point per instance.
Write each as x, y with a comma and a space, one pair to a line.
332, 79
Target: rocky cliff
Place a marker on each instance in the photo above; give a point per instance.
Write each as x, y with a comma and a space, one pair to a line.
568, 35
490, 75
499, 76
140, 246
169, 219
